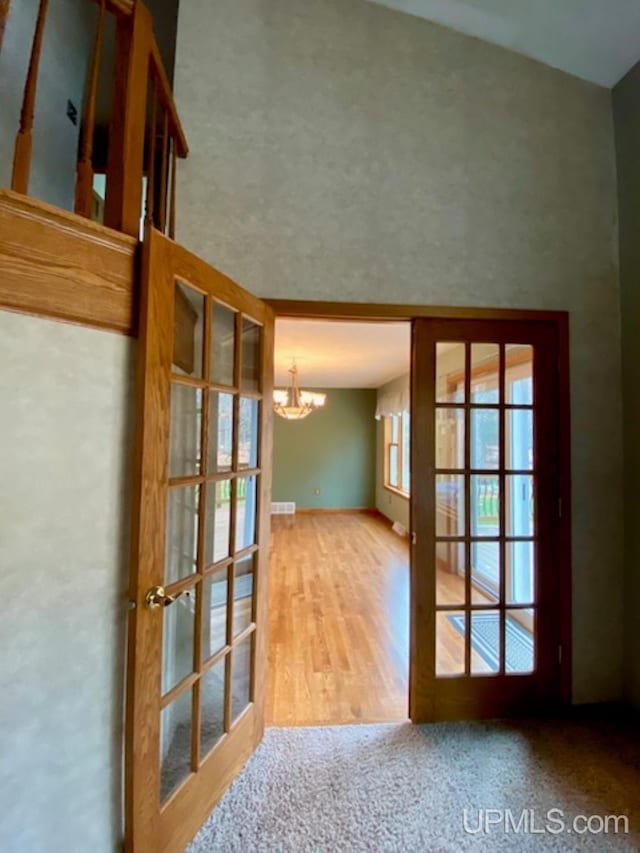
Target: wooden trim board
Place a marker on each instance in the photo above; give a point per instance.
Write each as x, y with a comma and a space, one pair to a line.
60, 265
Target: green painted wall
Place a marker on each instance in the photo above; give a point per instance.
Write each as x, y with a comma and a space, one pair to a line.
333, 450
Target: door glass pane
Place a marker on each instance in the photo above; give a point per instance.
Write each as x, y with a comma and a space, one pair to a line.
519, 449
519, 509
520, 572
248, 433
186, 430
485, 505
485, 572
175, 743
218, 525
450, 372
223, 337
484, 373
251, 334
519, 644
519, 374
245, 512
485, 641
212, 707
485, 438
182, 533
220, 432
450, 634
188, 331
449, 438
450, 573
450, 505
243, 594
241, 676
214, 612
178, 620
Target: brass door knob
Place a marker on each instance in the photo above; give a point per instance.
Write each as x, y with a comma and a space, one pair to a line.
157, 597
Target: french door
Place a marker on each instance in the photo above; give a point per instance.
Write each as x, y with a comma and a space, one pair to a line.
200, 544
486, 596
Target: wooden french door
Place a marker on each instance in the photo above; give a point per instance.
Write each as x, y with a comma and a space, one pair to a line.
487, 568
200, 544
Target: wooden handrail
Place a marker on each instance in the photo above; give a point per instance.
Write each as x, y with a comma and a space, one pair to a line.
167, 100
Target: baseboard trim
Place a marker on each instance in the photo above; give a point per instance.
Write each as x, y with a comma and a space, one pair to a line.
328, 510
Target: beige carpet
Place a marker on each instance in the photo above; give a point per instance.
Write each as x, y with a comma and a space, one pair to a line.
405, 788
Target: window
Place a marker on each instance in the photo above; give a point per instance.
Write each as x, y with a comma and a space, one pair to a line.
397, 457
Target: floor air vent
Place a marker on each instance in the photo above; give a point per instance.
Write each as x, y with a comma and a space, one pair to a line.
283, 508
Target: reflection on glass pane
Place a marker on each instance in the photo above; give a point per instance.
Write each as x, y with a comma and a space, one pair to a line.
450, 634
241, 676
485, 366
248, 437
212, 707
485, 505
450, 573
485, 438
485, 572
520, 572
519, 374
251, 334
519, 645
393, 465
175, 743
449, 438
182, 533
243, 594
450, 371
185, 430
519, 439
214, 612
406, 451
485, 641
188, 331
178, 621
218, 526
519, 509
245, 512
450, 505
223, 335
220, 431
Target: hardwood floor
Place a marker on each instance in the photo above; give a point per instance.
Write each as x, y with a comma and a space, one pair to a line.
339, 619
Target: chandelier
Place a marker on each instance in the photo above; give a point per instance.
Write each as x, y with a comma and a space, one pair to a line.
293, 404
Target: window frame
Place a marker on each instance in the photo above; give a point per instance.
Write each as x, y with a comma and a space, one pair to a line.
399, 444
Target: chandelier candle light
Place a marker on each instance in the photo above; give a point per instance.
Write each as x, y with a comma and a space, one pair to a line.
293, 404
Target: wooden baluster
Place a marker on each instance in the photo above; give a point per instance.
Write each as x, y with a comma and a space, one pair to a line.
162, 203
84, 179
22, 152
151, 160
172, 208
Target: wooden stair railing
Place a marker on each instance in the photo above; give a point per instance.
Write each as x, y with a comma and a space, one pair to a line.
135, 150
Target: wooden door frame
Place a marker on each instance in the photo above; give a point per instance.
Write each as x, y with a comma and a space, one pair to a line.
556, 320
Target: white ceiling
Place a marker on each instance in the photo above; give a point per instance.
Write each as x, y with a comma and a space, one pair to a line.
335, 354
598, 40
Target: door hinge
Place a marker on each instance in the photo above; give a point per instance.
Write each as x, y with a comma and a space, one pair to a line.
559, 654
559, 507
414, 538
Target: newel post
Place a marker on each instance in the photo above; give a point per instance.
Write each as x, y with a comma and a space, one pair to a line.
127, 129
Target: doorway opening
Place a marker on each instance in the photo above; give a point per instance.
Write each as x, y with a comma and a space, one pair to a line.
339, 578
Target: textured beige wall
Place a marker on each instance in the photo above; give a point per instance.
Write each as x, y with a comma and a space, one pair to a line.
340, 150
626, 107
65, 456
